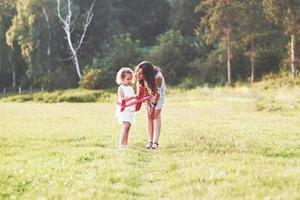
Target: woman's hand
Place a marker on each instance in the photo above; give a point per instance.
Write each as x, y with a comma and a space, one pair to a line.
150, 112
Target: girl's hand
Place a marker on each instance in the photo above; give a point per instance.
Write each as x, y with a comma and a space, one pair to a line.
130, 98
133, 97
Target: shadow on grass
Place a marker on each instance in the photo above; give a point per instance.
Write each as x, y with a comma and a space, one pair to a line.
280, 153
198, 143
90, 157
17, 186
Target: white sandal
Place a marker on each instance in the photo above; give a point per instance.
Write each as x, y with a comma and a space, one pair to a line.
149, 145
155, 146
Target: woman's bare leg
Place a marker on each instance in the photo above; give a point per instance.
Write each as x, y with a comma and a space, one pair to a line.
149, 128
156, 125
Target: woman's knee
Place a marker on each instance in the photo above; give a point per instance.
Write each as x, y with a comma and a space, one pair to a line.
156, 116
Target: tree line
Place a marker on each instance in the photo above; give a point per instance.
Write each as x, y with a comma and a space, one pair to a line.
55, 44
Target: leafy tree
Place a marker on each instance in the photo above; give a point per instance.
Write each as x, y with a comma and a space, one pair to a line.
220, 22
123, 52
29, 30
253, 27
286, 14
183, 16
7, 60
143, 19
169, 55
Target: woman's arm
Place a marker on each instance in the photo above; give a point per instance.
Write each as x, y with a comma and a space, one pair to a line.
156, 94
148, 104
159, 80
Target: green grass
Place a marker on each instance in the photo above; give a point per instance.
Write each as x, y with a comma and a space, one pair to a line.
215, 144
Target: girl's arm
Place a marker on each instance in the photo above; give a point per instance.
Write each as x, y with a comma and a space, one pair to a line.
130, 98
123, 98
121, 93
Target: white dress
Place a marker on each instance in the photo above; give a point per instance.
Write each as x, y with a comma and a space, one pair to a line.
128, 114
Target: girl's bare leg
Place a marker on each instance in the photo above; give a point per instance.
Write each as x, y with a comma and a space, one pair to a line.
127, 135
124, 133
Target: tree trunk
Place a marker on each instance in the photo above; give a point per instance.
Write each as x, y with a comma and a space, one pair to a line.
252, 59
48, 79
49, 31
67, 26
14, 77
13, 70
74, 53
293, 70
76, 62
49, 48
229, 55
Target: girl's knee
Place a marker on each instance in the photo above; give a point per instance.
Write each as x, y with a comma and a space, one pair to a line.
126, 125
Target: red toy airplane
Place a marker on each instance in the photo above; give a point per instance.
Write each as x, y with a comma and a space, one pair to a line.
138, 102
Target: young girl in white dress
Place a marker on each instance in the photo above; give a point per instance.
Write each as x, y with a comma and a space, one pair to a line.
125, 92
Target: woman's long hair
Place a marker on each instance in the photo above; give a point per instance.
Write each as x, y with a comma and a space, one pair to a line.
149, 71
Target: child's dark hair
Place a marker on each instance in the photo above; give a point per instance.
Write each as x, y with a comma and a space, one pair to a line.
122, 73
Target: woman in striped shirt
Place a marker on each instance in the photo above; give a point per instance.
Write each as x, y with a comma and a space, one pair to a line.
150, 77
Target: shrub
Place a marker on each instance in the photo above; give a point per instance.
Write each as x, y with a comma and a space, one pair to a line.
279, 99
170, 57
92, 79
18, 98
75, 95
80, 97
122, 52
210, 70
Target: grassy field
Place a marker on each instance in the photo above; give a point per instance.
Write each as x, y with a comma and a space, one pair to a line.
215, 144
